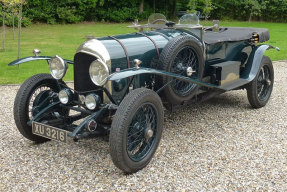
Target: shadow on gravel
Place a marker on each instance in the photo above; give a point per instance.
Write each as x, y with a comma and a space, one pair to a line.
226, 100
95, 152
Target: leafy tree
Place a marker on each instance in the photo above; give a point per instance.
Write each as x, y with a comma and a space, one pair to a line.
5, 4
253, 7
141, 7
73, 11
204, 6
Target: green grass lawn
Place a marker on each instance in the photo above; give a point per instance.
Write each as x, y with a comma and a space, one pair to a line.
63, 40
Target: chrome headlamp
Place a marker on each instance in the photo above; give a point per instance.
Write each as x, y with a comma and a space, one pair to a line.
99, 72
58, 67
65, 96
92, 101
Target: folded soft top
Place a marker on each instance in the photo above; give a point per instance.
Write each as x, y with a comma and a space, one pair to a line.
235, 34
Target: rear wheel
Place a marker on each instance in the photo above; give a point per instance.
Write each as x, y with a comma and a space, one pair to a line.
32, 97
136, 130
260, 89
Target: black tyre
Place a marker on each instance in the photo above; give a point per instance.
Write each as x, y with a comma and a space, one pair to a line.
136, 130
260, 89
178, 55
31, 93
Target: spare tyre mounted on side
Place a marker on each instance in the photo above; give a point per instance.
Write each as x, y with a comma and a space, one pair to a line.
182, 55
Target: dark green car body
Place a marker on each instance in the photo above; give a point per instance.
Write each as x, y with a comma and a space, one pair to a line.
169, 66
147, 47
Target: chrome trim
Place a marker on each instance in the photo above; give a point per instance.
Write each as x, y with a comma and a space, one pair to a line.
96, 48
68, 93
137, 62
63, 62
36, 52
99, 62
189, 71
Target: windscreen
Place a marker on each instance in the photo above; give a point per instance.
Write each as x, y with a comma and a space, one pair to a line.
189, 19
157, 19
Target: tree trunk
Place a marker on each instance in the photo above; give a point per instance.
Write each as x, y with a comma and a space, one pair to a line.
172, 9
13, 23
19, 29
154, 6
3, 37
141, 8
250, 17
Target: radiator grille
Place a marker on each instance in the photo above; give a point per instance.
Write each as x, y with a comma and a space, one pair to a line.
82, 81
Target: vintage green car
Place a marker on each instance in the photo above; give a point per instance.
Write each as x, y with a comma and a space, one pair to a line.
122, 84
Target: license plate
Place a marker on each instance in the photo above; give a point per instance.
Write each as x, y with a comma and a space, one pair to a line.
49, 132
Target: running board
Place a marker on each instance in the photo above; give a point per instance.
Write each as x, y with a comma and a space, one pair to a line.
233, 85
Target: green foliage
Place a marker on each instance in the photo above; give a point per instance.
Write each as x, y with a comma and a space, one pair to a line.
271, 10
74, 11
204, 6
253, 7
121, 15
68, 15
275, 10
9, 21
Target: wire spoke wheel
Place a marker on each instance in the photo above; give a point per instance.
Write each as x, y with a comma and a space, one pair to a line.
183, 55
141, 132
185, 58
259, 90
32, 97
35, 102
263, 83
136, 130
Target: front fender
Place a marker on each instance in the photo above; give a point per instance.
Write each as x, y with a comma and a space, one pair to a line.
34, 58
137, 71
254, 62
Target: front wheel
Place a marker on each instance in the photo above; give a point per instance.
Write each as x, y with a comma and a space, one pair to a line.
136, 130
260, 89
32, 97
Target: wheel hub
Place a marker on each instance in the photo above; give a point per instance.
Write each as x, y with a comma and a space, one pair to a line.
189, 71
268, 82
149, 134
185, 63
141, 132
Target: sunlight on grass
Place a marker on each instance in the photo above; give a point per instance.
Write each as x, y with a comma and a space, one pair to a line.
63, 40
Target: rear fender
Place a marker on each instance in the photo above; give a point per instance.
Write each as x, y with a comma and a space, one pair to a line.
254, 61
34, 58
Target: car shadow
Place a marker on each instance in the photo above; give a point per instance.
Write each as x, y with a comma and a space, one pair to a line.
96, 151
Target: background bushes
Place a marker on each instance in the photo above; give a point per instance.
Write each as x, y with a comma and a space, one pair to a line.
258, 10
74, 11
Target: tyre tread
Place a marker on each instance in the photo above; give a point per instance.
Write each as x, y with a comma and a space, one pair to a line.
118, 130
251, 87
20, 105
164, 62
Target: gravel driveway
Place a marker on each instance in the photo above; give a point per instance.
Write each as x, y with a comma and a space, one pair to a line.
219, 145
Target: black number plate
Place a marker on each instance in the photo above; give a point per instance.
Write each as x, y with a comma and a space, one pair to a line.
49, 132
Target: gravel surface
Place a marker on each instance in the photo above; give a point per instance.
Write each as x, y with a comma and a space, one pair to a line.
219, 145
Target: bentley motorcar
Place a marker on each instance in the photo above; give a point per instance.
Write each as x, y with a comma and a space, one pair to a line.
123, 83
